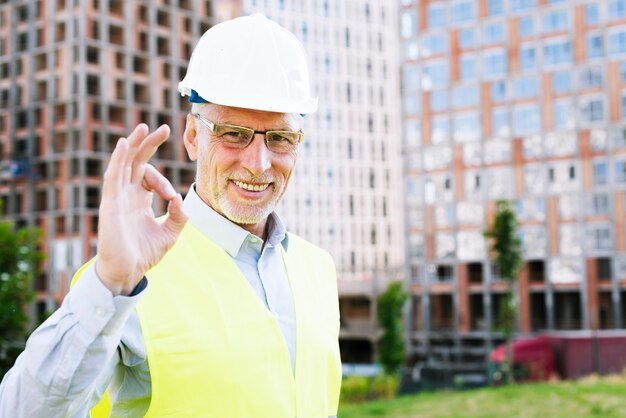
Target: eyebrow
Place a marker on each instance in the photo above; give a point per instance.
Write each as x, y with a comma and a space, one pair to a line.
283, 128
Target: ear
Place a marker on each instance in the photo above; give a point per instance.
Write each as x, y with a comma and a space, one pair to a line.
190, 138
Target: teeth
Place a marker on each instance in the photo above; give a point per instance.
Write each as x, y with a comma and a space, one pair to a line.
251, 187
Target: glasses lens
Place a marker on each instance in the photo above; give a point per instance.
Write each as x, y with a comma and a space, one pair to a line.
282, 141
236, 136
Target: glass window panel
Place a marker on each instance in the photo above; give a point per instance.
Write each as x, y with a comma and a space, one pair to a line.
465, 96
595, 47
526, 119
439, 100
563, 115
494, 33
500, 122
557, 20
562, 82
517, 5
495, 7
617, 9
436, 74
592, 109
467, 38
440, 129
557, 52
436, 14
616, 42
494, 63
592, 14
591, 77
466, 127
463, 11
434, 44
408, 23
526, 26
525, 87
527, 57
498, 91
467, 67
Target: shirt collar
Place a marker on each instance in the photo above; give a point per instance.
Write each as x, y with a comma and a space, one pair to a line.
226, 234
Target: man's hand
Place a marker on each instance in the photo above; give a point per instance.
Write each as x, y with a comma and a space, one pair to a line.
130, 240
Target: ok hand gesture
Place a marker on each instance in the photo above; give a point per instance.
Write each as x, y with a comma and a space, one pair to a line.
130, 240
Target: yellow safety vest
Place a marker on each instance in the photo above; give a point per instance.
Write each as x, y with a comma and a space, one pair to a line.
215, 350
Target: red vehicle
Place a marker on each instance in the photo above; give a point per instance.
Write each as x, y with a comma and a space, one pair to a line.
567, 355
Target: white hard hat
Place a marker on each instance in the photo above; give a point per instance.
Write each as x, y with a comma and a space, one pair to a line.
253, 63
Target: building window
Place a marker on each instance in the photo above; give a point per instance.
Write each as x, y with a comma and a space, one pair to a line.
594, 45
601, 238
617, 9
467, 66
467, 38
494, 33
592, 110
525, 87
434, 44
436, 74
526, 26
563, 114
527, 57
495, 7
591, 77
620, 171
555, 21
600, 204
623, 105
494, 63
439, 100
436, 14
466, 127
517, 5
592, 14
617, 42
463, 11
526, 120
408, 26
498, 91
600, 173
440, 129
562, 82
465, 96
559, 52
500, 122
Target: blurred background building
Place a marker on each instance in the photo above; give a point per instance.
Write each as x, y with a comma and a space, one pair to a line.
75, 75
522, 100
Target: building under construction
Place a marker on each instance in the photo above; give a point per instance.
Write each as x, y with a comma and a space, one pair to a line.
523, 100
75, 75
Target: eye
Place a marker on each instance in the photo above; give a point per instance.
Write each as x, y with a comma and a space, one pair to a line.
234, 134
278, 137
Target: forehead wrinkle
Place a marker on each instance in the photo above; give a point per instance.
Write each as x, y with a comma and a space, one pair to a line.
262, 120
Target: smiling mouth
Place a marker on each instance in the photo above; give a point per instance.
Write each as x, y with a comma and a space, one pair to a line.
251, 187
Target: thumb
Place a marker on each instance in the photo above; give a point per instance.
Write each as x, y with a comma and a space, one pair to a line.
177, 218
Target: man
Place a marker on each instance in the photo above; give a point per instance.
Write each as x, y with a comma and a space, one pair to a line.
214, 310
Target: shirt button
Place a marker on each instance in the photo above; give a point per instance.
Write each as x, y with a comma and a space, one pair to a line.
100, 311
254, 240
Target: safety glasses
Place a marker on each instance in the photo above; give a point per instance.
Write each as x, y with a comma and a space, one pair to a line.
240, 137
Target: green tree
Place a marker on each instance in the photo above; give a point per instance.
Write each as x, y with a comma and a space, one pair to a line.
19, 263
506, 251
391, 345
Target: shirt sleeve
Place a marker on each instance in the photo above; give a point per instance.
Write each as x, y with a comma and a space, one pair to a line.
70, 358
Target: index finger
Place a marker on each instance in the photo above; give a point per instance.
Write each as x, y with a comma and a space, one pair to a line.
146, 150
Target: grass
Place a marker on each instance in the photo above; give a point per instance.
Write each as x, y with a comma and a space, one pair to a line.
589, 397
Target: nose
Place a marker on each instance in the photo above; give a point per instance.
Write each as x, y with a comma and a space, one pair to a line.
256, 157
